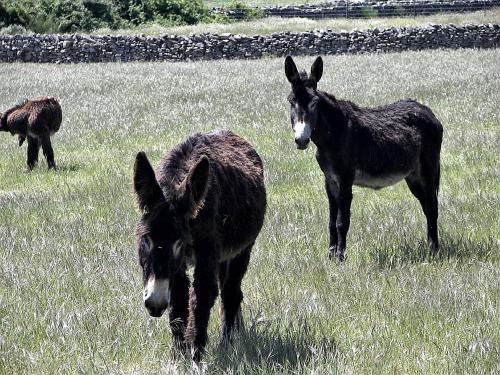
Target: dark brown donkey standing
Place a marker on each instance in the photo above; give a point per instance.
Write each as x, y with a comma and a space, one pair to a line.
370, 147
36, 119
204, 207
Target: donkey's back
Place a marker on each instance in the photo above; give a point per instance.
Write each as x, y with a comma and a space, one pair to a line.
236, 199
36, 117
390, 142
48, 112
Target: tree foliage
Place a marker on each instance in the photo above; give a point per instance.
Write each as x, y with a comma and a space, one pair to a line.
86, 15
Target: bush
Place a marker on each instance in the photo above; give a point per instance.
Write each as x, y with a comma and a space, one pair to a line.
72, 16
105, 12
85, 15
10, 14
249, 13
172, 12
181, 11
13, 29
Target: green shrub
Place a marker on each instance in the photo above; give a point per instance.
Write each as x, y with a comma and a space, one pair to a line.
73, 16
11, 14
13, 29
105, 12
249, 13
181, 11
172, 12
85, 15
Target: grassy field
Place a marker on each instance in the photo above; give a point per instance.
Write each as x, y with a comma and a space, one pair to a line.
270, 25
70, 283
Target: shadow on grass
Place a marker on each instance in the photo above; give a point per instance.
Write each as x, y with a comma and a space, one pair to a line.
451, 248
263, 348
41, 168
68, 167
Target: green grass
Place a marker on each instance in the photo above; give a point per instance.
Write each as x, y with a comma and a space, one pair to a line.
270, 25
70, 284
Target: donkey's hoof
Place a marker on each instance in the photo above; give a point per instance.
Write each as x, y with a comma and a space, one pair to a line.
332, 252
433, 247
341, 256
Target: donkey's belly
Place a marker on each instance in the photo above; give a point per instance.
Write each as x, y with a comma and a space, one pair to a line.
230, 252
364, 179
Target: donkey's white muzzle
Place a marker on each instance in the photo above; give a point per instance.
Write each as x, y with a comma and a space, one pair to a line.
156, 296
302, 132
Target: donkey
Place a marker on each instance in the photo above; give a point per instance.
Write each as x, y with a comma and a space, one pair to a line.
36, 119
203, 207
369, 147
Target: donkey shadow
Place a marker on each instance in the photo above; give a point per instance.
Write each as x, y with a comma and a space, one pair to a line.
460, 248
61, 167
265, 347
68, 167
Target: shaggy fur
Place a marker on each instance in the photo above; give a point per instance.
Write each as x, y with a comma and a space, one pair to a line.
209, 194
370, 147
36, 119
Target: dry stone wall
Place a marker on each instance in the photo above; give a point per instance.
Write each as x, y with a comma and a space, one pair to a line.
84, 48
362, 8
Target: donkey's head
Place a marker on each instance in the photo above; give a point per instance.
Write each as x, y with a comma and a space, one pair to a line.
303, 100
164, 232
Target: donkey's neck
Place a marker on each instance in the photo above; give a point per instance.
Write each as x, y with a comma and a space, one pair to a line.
332, 120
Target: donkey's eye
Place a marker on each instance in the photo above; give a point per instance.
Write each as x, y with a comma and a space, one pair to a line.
146, 243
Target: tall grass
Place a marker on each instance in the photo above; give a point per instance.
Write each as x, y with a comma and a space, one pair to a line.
70, 295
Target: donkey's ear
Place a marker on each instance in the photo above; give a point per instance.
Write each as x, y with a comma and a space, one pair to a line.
196, 186
291, 71
317, 69
146, 188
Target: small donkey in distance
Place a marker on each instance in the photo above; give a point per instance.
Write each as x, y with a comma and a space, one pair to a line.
369, 147
36, 119
203, 207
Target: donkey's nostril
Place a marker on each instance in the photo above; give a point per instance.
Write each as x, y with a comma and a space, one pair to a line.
301, 143
153, 310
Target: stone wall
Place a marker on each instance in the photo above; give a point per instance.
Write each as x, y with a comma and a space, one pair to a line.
84, 48
364, 8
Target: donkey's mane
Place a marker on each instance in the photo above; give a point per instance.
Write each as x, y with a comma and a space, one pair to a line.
304, 81
329, 96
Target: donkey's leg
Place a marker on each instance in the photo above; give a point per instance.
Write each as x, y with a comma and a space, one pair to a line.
426, 194
179, 306
331, 191
431, 184
432, 216
344, 199
415, 184
33, 149
231, 294
48, 152
202, 296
